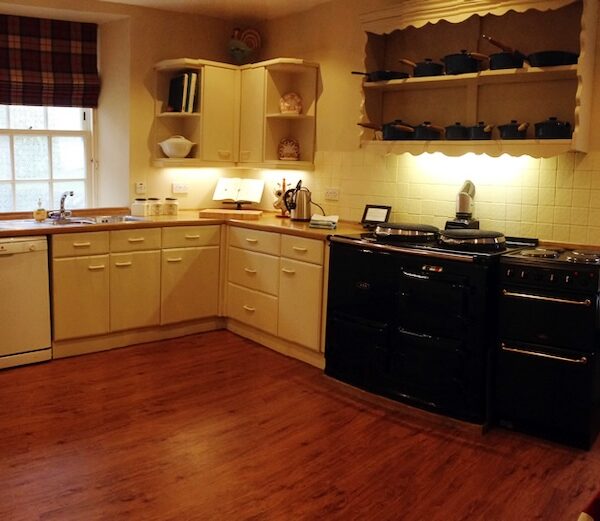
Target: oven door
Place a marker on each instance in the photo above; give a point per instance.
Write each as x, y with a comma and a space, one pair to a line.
546, 391
553, 319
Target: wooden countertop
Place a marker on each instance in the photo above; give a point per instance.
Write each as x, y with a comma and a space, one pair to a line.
13, 225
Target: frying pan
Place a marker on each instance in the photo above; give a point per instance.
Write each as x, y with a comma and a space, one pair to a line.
536, 59
383, 75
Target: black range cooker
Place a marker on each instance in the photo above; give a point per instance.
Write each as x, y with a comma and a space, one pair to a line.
411, 315
547, 369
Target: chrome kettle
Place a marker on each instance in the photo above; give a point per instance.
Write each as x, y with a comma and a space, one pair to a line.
297, 201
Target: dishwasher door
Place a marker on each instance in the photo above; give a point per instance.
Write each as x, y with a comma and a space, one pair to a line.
25, 302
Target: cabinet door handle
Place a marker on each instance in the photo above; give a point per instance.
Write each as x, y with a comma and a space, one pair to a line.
251, 240
192, 237
82, 244
249, 308
249, 270
123, 264
286, 270
244, 154
174, 259
95, 267
583, 360
300, 249
224, 153
136, 239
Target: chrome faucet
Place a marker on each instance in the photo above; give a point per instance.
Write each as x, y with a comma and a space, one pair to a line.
61, 216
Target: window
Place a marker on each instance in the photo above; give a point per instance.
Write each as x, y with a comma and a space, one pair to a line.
44, 151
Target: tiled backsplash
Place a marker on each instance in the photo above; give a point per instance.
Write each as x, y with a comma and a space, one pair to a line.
555, 199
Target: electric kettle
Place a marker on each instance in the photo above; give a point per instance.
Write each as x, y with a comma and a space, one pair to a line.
297, 201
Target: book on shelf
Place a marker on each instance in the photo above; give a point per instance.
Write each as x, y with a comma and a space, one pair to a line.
178, 93
192, 91
238, 190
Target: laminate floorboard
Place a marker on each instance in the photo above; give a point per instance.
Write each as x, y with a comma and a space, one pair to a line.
216, 427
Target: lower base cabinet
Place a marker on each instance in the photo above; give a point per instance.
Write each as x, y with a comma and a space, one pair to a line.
252, 307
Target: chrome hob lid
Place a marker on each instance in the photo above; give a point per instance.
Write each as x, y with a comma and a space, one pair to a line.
541, 253
473, 240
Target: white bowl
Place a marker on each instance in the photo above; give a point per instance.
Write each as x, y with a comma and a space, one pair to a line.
176, 146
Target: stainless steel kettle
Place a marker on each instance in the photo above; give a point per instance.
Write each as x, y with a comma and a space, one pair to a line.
297, 201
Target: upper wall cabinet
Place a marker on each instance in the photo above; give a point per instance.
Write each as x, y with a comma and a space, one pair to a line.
238, 116
418, 31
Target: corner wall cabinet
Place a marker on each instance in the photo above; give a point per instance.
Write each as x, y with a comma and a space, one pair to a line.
238, 118
419, 30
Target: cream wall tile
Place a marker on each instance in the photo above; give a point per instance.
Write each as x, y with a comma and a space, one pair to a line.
530, 178
529, 213
578, 234
548, 163
545, 214
491, 224
594, 235
513, 212
580, 216
414, 207
512, 229
562, 215
566, 162
529, 195
561, 233
563, 197
428, 207
581, 198
544, 231
415, 190
595, 199
528, 229
564, 178
594, 217
546, 196
494, 211
547, 178
595, 180
582, 179
513, 194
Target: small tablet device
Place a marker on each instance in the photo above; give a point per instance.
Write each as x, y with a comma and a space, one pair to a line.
375, 214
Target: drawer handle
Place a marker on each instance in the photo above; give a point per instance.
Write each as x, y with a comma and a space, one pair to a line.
249, 270
286, 270
81, 244
250, 240
136, 239
300, 249
95, 267
194, 237
174, 259
123, 264
249, 308
583, 360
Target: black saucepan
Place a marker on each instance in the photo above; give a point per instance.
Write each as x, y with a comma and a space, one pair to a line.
426, 131
513, 130
457, 131
480, 131
552, 58
425, 68
394, 130
383, 75
509, 58
552, 128
463, 62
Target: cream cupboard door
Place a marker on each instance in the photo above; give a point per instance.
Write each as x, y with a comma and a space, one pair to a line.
190, 283
80, 296
252, 115
134, 290
300, 295
219, 113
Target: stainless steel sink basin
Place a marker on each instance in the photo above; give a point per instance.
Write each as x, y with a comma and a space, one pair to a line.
99, 219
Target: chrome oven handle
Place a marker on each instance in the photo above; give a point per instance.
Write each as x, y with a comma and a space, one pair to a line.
411, 275
587, 302
583, 360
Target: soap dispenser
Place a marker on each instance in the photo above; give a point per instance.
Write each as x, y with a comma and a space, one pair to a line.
39, 213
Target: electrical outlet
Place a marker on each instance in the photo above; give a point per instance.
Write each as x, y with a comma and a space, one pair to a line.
140, 188
179, 188
332, 194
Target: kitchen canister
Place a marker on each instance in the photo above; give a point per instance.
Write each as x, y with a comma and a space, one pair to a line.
170, 206
140, 207
154, 206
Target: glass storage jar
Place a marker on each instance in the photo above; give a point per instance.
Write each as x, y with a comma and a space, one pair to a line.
170, 206
139, 207
155, 206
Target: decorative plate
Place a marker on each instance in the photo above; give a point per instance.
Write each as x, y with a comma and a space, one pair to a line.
290, 103
251, 37
289, 150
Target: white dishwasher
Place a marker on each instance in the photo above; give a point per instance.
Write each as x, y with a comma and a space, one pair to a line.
24, 301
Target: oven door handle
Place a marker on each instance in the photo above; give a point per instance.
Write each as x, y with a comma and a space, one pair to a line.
587, 302
412, 275
583, 360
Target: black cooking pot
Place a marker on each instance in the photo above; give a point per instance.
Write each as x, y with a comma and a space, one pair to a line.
480, 131
426, 131
394, 130
552, 58
506, 60
463, 62
513, 130
553, 129
425, 68
457, 131
383, 75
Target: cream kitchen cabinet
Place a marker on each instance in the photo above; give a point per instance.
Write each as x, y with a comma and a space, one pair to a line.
134, 278
80, 283
212, 126
416, 30
189, 273
275, 285
301, 291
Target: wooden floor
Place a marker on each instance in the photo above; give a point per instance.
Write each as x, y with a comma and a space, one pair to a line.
215, 427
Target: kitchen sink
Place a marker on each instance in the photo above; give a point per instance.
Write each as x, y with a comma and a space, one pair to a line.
94, 219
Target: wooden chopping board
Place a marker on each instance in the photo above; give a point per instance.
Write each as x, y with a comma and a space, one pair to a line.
230, 214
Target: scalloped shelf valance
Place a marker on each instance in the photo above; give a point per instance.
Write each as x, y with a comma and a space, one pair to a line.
417, 13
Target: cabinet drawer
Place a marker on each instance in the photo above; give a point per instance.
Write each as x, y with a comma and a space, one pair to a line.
253, 308
300, 248
254, 270
189, 236
135, 240
255, 240
76, 244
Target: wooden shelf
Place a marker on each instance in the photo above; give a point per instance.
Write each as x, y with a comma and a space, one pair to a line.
492, 147
178, 115
279, 115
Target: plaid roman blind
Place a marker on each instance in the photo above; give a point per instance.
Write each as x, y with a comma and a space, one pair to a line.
48, 62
